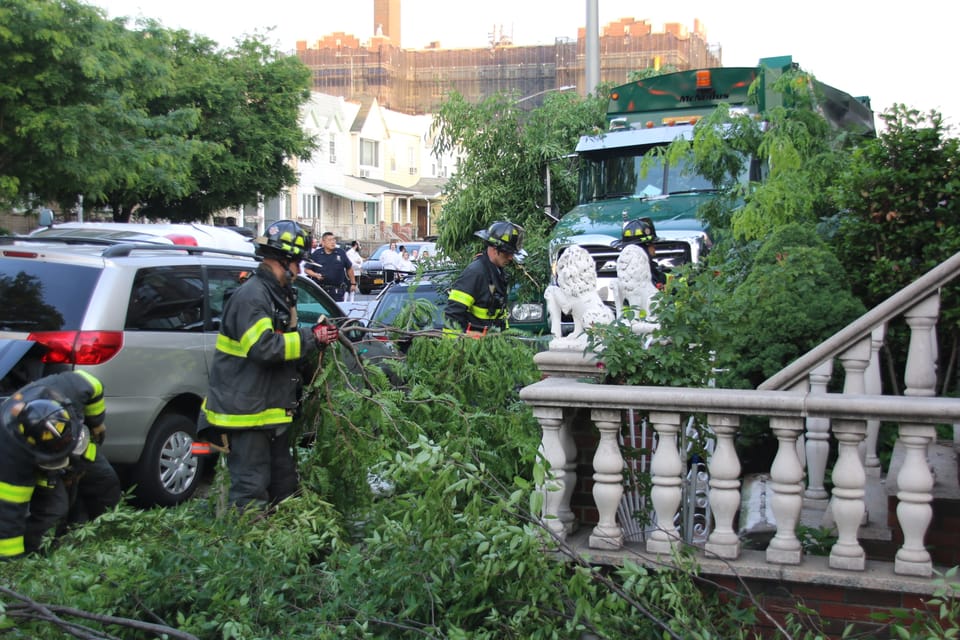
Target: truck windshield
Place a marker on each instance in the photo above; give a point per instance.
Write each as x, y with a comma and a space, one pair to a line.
605, 177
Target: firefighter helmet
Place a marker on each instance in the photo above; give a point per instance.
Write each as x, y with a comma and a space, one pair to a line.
505, 236
284, 239
637, 231
47, 428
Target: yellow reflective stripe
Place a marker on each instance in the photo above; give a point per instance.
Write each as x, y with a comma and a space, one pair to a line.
10, 547
291, 345
242, 421
96, 406
462, 297
450, 333
483, 314
242, 347
16, 493
229, 346
91, 452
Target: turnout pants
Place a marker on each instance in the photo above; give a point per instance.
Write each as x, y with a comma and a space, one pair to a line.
262, 470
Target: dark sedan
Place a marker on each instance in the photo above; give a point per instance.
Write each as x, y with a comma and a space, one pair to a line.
372, 277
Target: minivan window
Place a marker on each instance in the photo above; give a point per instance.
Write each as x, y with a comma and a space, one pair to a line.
166, 299
42, 296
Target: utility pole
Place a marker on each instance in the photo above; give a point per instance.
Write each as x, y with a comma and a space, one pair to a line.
592, 64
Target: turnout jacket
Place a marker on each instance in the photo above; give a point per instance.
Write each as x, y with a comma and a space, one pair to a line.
478, 298
253, 377
81, 394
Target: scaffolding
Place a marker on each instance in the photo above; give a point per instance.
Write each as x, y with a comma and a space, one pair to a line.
417, 81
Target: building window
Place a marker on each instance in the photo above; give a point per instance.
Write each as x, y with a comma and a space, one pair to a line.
371, 208
333, 149
369, 153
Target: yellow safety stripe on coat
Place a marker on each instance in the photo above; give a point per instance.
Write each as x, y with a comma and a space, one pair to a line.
462, 297
10, 547
483, 314
16, 493
96, 406
248, 420
91, 452
242, 347
291, 345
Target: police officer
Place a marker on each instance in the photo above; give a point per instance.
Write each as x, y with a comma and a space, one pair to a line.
254, 378
332, 268
49, 458
478, 298
641, 231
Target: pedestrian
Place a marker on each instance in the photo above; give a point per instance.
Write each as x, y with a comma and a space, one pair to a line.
254, 378
357, 260
390, 257
405, 265
478, 298
332, 268
50, 431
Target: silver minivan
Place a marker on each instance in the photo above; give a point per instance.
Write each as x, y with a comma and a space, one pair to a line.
144, 320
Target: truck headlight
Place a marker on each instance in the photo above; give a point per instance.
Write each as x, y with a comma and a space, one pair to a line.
526, 312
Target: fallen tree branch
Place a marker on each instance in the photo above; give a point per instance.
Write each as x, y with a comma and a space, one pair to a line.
33, 610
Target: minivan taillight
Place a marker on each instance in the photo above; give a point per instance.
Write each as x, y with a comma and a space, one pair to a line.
79, 347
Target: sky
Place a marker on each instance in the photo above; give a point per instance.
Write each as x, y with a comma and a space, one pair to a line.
892, 53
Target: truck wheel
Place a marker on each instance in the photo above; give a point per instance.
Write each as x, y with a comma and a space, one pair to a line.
168, 473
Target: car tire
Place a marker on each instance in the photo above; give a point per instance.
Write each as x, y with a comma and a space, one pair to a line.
168, 473
365, 291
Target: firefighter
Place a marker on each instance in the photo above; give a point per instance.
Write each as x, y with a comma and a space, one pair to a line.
478, 298
50, 460
641, 231
254, 379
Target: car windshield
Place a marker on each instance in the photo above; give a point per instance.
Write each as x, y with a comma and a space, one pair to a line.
424, 299
419, 247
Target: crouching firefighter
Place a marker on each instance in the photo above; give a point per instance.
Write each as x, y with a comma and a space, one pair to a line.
254, 377
478, 298
50, 462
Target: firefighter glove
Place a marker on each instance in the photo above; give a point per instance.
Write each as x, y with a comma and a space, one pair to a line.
325, 334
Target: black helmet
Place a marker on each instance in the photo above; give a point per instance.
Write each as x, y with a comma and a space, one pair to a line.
47, 427
284, 239
637, 231
505, 236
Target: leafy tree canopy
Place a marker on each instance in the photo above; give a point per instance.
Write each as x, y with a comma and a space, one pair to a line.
146, 118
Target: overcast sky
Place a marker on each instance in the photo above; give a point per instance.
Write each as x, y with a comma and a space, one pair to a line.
893, 53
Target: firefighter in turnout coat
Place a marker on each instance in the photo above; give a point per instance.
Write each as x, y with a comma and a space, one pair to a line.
254, 378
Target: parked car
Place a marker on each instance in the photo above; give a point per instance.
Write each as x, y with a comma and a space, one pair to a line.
187, 234
144, 319
416, 304
410, 305
371, 272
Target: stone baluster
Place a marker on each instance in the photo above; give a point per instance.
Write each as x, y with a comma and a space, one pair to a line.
873, 387
786, 480
915, 481
849, 477
555, 482
608, 480
818, 438
666, 470
564, 512
724, 468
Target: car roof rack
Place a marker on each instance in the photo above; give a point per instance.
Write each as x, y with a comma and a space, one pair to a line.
116, 248
126, 248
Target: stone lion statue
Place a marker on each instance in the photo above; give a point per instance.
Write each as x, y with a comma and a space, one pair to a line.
575, 293
634, 284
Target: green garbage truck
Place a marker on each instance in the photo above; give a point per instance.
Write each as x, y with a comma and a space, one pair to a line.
616, 184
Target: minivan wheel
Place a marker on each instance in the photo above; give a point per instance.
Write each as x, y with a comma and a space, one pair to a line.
168, 473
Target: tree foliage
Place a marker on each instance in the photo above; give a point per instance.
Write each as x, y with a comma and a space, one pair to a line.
503, 174
146, 117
